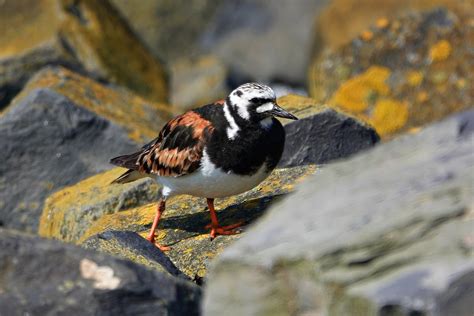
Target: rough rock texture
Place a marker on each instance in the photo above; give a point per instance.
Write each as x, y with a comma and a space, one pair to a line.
183, 224
44, 277
63, 128
324, 136
195, 82
157, 23
263, 40
342, 20
388, 232
68, 213
84, 35
129, 245
402, 73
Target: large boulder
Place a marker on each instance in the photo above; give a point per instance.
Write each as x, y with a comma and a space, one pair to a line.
85, 35
63, 128
44, 277
263, 40
386, 232
401, 73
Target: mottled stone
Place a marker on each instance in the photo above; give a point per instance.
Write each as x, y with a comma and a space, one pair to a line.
386, 232
402, 73
45, 277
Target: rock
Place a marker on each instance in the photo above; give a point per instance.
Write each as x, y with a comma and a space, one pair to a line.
323, 136
44, 277
402, 73
87, 36
158, 23
131, 246
343, 20
63, 128
386, 232
68, 213
183, 224
263, 40
197, 82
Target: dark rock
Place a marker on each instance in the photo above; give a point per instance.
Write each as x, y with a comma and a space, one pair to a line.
44, 277
325, 136
49, 142
129, 245
386, 232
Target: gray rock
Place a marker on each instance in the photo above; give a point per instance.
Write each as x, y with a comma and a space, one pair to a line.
49, 142
388, 232
325, 136
129, 245
45, 277
263, 40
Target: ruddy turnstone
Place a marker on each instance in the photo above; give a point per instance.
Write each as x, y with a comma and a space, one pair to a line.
214, 151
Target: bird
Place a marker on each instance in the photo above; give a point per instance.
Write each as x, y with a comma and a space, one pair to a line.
215, 151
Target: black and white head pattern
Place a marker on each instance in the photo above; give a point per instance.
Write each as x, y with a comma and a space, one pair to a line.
251, 102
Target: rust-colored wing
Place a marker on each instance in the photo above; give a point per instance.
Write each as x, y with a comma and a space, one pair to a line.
176, 151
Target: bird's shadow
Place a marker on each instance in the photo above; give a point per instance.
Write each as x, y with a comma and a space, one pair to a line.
194, 224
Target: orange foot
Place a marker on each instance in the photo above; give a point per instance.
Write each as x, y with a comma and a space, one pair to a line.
151, 238
224, 230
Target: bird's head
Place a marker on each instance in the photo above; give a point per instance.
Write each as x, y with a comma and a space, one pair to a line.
256, 102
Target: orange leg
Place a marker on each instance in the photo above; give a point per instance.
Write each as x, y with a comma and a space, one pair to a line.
220, 230
151, 236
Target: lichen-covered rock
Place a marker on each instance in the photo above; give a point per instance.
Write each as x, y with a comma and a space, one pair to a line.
68, 213
129, 245
402, 73
183, 223
85, 35
61, 129
321, 134
386, 232
45, 277
342, 20
195, 82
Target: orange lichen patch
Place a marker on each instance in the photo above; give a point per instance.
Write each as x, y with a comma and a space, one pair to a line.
354, 94
461, 83
422, 96
440, 51
414, 78
140, 118
389, 116
382, 23
367, 35
300, 106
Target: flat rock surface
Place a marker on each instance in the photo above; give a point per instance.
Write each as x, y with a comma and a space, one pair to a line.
44, 277
388, 230
183, 223
61, 129
402, 72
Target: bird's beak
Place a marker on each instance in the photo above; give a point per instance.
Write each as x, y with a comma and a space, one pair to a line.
278, 111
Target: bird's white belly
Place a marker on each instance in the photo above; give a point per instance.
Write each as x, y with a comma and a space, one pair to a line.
211, 182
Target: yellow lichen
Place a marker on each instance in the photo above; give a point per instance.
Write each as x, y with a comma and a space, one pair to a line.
389, 116
440, 51
422, 96
354, 94
414, 78
367, 35
382, 23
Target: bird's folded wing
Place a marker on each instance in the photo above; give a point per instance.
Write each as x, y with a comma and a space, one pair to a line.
178, 148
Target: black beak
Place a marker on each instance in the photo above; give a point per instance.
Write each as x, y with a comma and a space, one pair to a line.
278, 111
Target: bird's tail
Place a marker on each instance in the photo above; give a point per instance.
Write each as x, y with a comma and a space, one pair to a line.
129, 176
129, 162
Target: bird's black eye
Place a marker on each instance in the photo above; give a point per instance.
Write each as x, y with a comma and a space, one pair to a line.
260, 100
